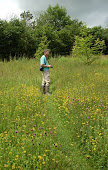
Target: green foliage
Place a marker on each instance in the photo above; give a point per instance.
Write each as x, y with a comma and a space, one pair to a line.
26, 15
105, 36
22, 37
16, 39
58, 17
28, 19
42, 46
59, 28
84, 47
3, 40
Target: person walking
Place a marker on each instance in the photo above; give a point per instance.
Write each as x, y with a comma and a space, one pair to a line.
45, 72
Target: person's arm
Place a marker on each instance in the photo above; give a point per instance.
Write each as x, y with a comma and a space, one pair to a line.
43, 65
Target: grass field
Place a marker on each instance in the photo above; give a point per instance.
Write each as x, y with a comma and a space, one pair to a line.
64, 131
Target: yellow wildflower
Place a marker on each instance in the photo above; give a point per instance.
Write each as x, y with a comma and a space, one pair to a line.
40, 157
34, 157
43, 163
6, 166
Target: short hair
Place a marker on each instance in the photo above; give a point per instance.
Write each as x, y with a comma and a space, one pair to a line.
46, 50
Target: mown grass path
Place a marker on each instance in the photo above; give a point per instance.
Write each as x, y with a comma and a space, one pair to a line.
76, 159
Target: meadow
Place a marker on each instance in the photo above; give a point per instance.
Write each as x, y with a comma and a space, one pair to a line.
64, 131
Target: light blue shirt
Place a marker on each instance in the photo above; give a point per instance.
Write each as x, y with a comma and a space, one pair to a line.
44, 61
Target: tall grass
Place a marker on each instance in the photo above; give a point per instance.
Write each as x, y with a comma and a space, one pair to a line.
67, 130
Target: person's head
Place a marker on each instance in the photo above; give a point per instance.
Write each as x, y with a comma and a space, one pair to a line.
46, 52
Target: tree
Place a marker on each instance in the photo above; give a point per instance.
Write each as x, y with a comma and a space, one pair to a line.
63, 42
55, 16
105, 36
27, 17
42, 46
3, 41
84, 47
16, 39
11, 37
58, 17
59, 29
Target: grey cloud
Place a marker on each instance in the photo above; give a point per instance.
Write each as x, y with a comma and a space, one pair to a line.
92, 12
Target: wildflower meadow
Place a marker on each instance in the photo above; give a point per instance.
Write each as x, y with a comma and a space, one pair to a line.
64, 131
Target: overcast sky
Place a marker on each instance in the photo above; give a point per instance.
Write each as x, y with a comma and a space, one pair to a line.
91, 12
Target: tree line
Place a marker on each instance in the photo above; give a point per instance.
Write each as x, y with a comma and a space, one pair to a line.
54, 29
